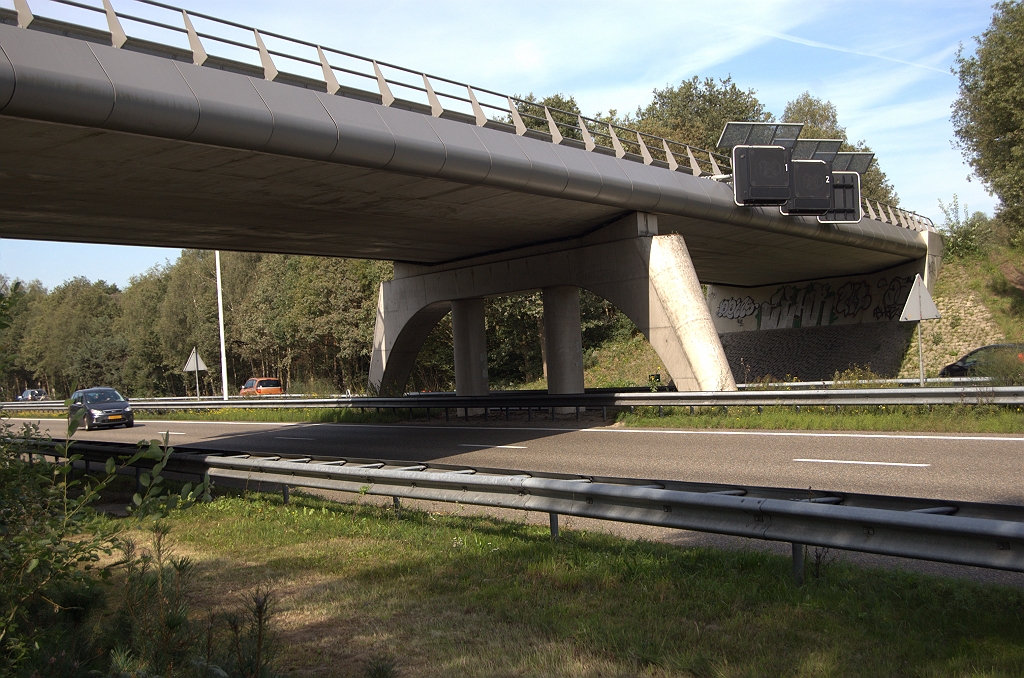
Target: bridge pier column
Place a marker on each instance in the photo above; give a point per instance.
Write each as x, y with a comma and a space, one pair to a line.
563, 338
469, 336
647, 276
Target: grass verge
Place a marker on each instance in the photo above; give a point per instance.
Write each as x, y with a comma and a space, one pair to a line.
470, 596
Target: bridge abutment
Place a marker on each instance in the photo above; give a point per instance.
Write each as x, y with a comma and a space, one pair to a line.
647, 276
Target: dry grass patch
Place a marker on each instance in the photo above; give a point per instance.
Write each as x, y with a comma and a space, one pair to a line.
474, 596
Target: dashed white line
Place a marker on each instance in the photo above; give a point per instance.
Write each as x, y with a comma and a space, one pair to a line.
174, 433
808, 434
865, 463
502, 447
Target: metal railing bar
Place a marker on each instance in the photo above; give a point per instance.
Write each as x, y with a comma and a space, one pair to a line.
304, 60
227, 41
368, 76
225, 22
151, 22
72, 3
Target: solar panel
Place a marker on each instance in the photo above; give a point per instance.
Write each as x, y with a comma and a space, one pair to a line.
855, 161
782, 134
816, 149
845, 207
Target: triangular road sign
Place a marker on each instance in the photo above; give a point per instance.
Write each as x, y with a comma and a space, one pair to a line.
194, 363
919, 304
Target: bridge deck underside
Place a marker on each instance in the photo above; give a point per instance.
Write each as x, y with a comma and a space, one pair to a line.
68, 183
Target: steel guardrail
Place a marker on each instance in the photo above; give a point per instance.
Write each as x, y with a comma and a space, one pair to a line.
963, 533
955, 395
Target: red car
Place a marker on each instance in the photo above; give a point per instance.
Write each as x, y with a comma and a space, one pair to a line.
258, 386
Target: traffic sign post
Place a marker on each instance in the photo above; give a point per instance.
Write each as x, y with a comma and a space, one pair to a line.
195, 364
919, 307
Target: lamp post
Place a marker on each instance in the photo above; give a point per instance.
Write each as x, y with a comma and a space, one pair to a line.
220, 315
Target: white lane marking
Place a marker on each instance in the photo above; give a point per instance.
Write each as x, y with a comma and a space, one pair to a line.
174, 433
291, 438
503, 447
866, 463
805, 434
227, 423
751, 432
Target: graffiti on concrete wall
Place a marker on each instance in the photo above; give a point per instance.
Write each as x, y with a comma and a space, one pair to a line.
819, 304
852, 298
894, 298
735, 308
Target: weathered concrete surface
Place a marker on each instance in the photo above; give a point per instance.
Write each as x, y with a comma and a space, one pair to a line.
469, 334
812, 329
646, 276
563, 339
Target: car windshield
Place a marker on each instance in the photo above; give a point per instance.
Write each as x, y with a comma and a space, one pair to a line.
98, 397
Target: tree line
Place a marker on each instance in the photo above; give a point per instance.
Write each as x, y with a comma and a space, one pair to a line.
310, 320
306, 320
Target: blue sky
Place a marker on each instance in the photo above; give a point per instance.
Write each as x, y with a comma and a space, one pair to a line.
885, 65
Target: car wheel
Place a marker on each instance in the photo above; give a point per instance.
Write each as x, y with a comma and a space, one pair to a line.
88, 424
129, 424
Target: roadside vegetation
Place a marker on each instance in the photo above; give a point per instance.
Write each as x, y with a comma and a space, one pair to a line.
439, 594
196, 584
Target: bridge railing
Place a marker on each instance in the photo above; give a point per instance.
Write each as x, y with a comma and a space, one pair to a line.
170, 31
896, 216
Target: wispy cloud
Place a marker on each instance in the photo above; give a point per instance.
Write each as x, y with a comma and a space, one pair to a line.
845, 50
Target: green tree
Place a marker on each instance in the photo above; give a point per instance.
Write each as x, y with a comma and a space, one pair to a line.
188, 318
695, 111
963, 235
69, 339
821, 121
566, 111
988, 115
144, 372
15, 300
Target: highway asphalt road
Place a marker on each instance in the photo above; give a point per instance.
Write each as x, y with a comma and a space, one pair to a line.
969, 467
988, 468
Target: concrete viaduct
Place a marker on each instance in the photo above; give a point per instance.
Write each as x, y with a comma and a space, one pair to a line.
106, 138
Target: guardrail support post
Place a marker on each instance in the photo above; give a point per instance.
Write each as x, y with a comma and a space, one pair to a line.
446, 414
285, 494
553, 519
138, 479
798, 563
397, 501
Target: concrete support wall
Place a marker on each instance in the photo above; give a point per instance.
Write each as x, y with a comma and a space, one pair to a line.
814, 328
648, 277
563, 337
469, 334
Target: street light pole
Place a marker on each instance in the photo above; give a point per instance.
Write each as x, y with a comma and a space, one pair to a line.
220, 314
